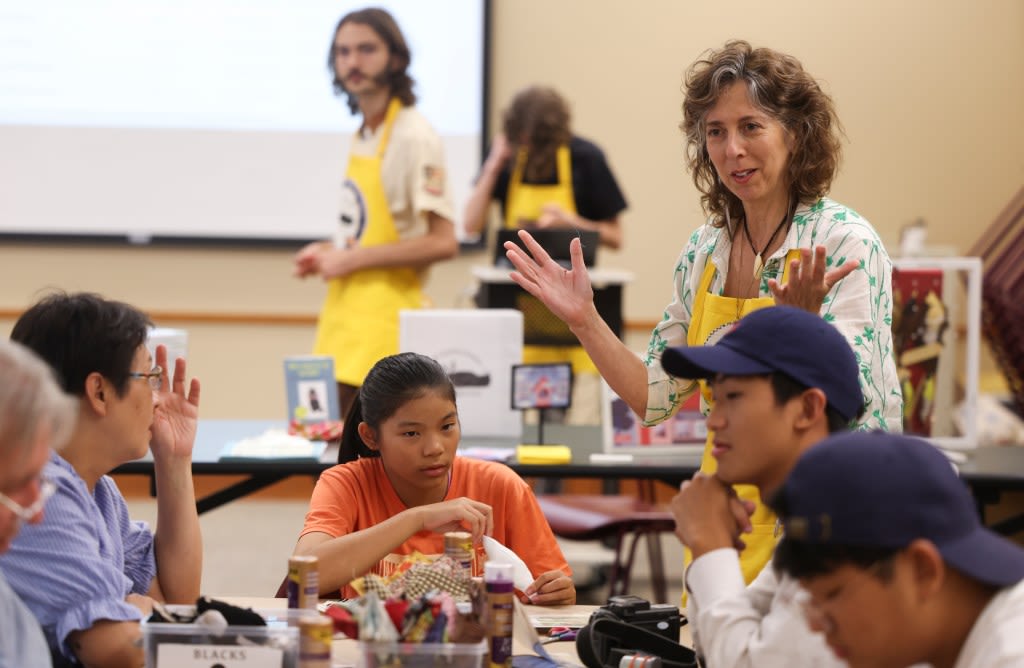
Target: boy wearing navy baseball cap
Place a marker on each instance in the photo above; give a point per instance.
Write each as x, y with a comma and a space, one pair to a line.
782, 379
897, 568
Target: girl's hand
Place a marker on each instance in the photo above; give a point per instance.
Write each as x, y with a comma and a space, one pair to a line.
460, 514
551, 588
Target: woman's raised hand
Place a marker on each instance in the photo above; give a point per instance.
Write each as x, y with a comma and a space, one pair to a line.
566, 292
808, 281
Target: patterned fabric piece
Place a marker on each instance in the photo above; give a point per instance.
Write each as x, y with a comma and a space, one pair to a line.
418, 578
860, 306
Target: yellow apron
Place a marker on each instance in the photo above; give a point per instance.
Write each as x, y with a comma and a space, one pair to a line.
523, 205
359, 321
713, 316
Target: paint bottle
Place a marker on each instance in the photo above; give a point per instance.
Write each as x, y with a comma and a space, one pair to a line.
459, 546
316, 633
303, 582
500, 613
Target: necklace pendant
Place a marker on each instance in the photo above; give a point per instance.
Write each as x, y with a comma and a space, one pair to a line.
758, 267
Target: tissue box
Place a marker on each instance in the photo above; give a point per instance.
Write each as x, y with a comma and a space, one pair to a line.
275, 645
422, 655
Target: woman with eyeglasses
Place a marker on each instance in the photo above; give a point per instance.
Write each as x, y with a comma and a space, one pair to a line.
89, 573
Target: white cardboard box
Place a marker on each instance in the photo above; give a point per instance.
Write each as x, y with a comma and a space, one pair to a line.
478, 348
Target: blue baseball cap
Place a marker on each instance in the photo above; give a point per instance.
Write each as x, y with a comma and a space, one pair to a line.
876, 489
783, 339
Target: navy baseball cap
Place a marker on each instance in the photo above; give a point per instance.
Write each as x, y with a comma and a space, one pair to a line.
876, 489
785, 339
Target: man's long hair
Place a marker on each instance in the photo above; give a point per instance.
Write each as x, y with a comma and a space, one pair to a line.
538, 120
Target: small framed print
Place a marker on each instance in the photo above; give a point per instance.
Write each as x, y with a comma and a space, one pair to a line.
622, 431
541, 386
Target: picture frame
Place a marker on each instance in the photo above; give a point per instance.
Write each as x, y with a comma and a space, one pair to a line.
311, 390
541, 386
685, 432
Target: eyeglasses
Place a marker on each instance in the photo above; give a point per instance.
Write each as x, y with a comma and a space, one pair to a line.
25, 513
153, 376
816, 611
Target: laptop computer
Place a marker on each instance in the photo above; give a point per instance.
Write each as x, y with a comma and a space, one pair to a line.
555, 241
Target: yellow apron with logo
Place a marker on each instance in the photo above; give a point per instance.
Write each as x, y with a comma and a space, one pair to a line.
713, 316
524, 204
359, 321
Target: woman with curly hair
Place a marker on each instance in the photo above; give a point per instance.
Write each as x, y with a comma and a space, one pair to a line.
762, 142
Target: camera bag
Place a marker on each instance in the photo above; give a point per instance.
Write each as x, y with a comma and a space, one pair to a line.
603, 642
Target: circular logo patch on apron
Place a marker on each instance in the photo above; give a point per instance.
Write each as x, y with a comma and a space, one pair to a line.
352, 216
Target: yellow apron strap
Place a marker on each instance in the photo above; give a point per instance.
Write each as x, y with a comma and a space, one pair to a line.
564, 162
793, 254
514, 181
389, 121
693, 333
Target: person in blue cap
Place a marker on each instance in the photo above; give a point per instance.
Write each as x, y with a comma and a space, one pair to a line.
896, 566
782, 379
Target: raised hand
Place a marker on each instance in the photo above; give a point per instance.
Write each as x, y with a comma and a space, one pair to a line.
175, 414
462, 514
500, 152
566, 292
808, 281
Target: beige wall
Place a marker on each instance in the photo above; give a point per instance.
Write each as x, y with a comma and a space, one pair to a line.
929, 93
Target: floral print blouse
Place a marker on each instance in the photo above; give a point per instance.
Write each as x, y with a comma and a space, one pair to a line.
860, 306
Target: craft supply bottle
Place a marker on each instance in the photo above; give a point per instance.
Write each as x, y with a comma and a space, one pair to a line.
315, 635
459, 546
303, 582
500, 613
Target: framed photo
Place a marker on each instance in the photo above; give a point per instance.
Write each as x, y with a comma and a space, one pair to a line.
311, 389
541, 386
936, 339
622, 432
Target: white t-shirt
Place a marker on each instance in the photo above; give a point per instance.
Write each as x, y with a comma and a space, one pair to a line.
997, 638
414, 172
760, 626
22, 644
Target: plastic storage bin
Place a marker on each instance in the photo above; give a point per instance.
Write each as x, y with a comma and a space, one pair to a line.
422, 655
190, 645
